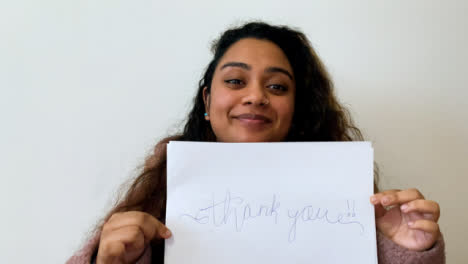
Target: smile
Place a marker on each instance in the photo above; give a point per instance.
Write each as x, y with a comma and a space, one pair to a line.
253, 120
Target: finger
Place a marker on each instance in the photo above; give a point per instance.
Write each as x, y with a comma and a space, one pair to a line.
401, 197
376, 198
111, 252
425, 225
430, 209
131, 236
150, 226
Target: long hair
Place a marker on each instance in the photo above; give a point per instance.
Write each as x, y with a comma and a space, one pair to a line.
318, 116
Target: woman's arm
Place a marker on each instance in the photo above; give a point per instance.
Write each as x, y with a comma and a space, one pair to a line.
391, 253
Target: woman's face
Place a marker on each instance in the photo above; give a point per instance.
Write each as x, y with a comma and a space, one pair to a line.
252, 93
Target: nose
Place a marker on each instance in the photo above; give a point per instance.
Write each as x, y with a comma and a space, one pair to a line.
255, 95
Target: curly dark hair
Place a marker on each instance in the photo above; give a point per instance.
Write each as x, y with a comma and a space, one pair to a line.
318, 116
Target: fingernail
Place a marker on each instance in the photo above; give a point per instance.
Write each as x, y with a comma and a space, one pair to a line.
167, 233
410, 223
385, 200
404, 207
373, 199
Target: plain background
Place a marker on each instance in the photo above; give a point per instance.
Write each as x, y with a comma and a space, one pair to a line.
89, 87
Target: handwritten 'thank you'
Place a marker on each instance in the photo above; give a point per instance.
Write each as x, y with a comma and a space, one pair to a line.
270, 203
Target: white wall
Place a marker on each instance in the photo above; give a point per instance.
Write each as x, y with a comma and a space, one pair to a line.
88, 87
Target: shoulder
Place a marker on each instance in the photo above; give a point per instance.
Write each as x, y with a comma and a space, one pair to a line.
85, 254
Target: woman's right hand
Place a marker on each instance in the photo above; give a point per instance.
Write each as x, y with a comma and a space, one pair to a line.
125, 235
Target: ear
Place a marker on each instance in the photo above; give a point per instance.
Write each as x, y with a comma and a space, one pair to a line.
206, 100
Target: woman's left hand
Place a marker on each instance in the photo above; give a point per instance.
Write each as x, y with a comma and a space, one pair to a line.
411, 221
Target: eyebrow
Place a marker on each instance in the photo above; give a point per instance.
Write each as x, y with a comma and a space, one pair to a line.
248, 67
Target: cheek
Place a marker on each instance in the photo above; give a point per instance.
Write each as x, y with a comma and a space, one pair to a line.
286, 110
220, 105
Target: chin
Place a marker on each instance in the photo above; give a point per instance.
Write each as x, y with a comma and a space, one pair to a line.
251, 138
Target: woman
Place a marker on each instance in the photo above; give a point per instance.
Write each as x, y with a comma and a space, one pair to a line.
264, 84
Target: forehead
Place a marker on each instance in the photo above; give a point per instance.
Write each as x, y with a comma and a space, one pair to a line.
257, 53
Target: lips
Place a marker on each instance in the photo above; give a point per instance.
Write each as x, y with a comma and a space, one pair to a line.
254, 118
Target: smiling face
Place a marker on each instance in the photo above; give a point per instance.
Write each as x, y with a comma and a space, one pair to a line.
252, 93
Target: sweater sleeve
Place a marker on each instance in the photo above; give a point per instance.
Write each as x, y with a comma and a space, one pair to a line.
390, 253
87, 254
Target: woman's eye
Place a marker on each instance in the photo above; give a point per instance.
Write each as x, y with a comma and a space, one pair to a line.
233, 81
278, 87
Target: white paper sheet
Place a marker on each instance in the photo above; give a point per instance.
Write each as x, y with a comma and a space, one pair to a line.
270, 203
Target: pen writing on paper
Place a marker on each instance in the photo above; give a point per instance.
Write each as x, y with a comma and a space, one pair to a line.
235, 209
311, 213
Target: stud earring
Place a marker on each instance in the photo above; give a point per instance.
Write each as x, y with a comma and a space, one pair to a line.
206, 114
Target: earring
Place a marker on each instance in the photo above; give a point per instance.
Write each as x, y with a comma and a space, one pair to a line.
206, 114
